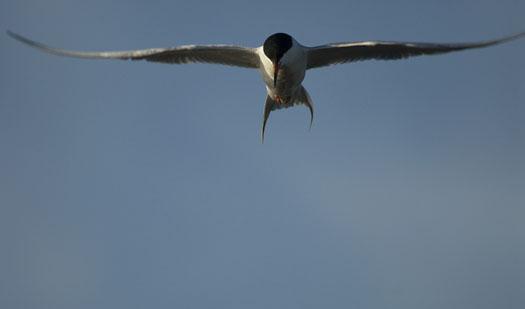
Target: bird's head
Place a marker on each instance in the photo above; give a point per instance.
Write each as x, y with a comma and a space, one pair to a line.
274, 47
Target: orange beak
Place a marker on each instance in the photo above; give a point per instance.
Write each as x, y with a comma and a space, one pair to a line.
275, 72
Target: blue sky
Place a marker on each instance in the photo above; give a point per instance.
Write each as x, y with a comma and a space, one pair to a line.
141, 185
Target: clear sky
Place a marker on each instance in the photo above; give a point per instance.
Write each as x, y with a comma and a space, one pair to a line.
142, 185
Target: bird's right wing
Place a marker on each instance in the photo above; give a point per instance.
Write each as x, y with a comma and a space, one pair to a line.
336, 53
220, 54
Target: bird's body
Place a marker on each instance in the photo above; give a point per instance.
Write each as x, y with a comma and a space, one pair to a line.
281, 60
292, 69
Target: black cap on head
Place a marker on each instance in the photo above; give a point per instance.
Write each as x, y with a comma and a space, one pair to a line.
276, 45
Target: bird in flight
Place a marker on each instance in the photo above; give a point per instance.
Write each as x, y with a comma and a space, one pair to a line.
281, 60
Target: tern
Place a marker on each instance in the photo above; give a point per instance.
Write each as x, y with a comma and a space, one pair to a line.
281, 60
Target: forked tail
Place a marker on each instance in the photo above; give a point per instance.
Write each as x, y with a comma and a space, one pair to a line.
301, 97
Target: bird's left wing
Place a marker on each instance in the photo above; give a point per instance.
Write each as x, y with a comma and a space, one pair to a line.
336, 53
220, 54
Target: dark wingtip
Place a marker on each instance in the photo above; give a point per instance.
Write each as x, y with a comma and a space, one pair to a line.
510, 38
15, 36
12, 34
24, 40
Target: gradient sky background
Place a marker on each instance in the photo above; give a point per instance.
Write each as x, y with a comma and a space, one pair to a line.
142, 185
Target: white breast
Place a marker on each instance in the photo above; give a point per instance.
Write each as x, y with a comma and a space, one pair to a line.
291, 72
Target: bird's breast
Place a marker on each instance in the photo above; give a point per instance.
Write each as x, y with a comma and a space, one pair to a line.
292, 69
289, 78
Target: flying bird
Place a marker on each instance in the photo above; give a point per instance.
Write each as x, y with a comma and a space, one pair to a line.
281, 60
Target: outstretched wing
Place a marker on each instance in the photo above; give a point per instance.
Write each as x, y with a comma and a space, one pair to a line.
336, 53
220, 54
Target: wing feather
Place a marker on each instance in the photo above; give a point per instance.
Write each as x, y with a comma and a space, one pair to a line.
220, 54
336, 53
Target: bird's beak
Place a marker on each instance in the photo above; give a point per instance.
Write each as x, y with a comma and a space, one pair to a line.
275, 72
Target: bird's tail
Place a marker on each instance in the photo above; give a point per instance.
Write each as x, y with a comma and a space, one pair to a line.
301, 97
